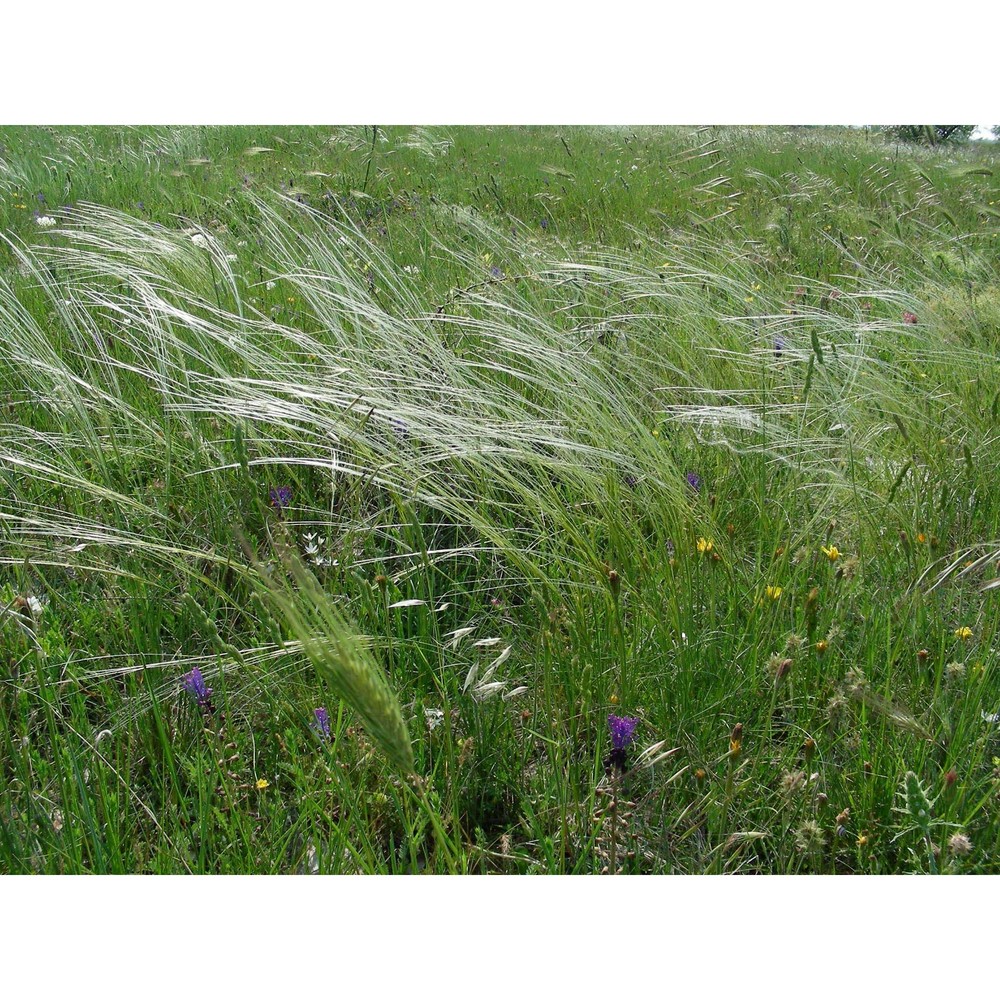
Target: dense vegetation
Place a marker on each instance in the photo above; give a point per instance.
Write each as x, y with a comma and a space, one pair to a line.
353, 478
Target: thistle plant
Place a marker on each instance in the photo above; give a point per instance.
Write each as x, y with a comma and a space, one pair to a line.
918, 808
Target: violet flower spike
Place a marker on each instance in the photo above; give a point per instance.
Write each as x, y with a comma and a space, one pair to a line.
694, 481
622, 734
195, 686
321, 723
622, 730
281, 497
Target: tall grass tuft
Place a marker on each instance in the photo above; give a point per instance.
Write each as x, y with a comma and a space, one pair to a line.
340, 658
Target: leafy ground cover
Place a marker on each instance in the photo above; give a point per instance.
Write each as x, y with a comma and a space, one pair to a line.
507, 500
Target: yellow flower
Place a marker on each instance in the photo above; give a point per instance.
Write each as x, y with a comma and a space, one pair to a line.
262, 783
773, 592
705, 545
614, 699
832, 553
921, 538
822, 646
963, 633
862, 840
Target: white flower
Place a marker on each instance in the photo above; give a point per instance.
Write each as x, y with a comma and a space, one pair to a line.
434, 717
411, 269
45, 221
270, 285
231, 256
312, 544
35, 605
199, 240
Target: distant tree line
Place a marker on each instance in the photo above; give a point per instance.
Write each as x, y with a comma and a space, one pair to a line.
931, 135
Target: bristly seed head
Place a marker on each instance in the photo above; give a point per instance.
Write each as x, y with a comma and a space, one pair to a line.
810, 838
959, 844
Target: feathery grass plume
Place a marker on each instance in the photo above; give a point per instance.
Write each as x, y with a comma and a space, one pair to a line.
335, 650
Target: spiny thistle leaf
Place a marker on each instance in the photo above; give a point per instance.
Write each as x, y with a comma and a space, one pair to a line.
918, 805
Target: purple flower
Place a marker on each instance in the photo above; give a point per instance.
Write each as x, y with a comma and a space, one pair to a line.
321, 723
281, 497
779, 346
694, 481
622, 734
495, 272
544, 223
195, 686
622, 730
631, 480
399, 427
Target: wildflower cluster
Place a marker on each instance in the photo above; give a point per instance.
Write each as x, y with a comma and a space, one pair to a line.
313, 545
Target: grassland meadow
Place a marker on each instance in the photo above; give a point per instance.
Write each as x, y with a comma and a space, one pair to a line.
555, 500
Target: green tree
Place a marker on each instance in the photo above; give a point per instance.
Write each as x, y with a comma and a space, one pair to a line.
931, 135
